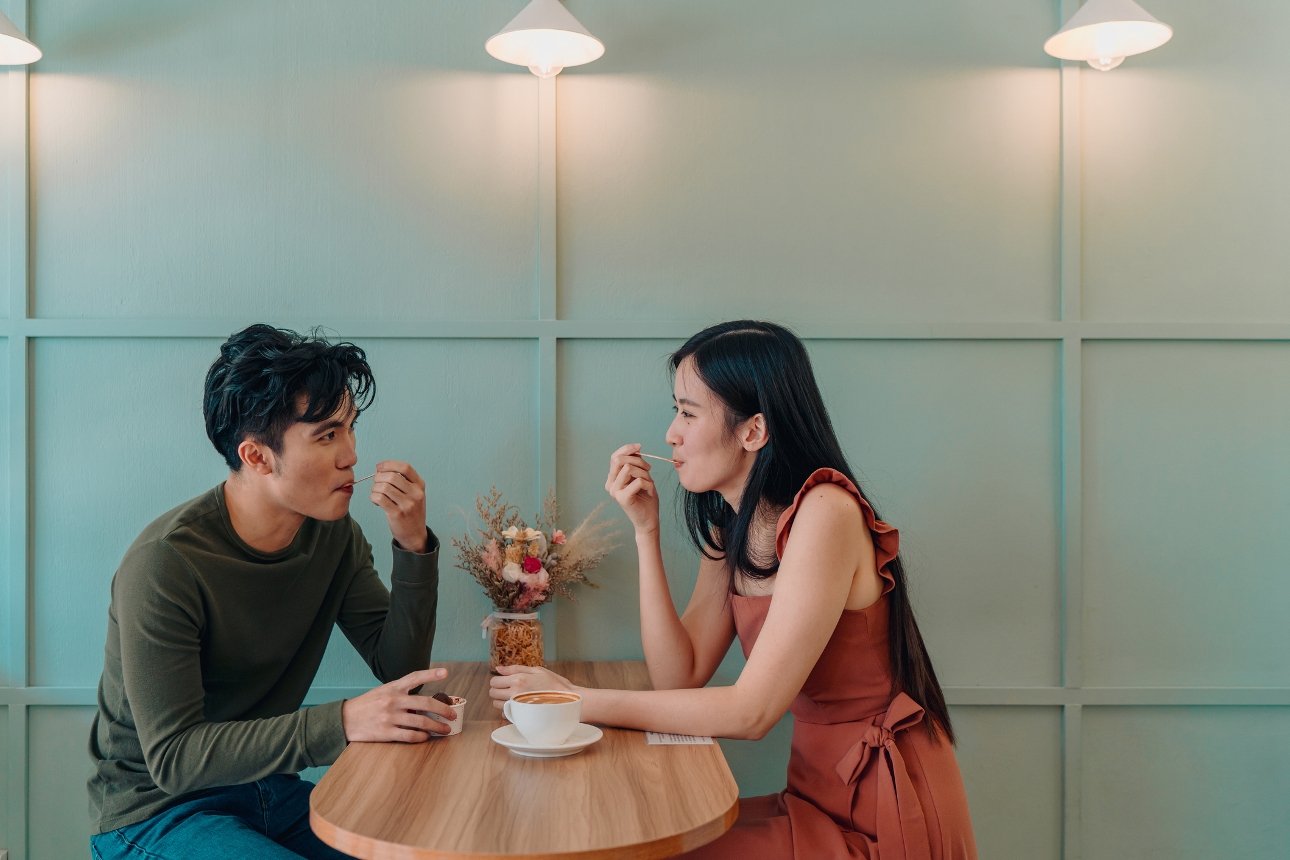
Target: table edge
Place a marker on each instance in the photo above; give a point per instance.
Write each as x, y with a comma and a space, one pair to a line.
371, 848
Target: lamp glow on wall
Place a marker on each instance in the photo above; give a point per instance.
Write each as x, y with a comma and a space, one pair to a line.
15, 48
545, 37
1104, 32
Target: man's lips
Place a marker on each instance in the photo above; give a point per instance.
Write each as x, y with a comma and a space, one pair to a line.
348, 489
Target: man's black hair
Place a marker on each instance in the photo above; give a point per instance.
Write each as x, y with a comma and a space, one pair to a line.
255, 388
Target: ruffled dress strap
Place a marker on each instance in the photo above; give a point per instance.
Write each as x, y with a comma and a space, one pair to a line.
886, 539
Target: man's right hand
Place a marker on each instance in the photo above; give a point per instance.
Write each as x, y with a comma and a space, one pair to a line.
387, 713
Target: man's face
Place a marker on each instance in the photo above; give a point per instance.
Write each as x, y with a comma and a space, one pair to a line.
313, 473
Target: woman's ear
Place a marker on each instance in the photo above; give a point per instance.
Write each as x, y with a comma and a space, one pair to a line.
753, 434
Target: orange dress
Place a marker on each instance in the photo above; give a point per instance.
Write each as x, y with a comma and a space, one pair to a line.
865, 780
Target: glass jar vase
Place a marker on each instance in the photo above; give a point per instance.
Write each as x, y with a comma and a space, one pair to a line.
514, 639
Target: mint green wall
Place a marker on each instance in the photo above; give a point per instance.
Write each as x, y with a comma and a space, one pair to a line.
1046, 307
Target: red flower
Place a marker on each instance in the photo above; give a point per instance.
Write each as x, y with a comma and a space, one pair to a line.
531, 564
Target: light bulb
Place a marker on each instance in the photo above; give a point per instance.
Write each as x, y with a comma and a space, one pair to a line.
1105, 64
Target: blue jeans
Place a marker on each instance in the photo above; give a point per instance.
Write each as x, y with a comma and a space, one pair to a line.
263, 820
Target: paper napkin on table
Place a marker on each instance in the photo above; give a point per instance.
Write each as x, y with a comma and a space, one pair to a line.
668, 739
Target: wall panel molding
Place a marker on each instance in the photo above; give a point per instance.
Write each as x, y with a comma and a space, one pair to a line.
652, 330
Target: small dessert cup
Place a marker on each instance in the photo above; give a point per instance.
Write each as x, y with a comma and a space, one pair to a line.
459, 708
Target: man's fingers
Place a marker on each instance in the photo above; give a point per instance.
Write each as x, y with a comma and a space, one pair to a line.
408, 736
400, 484
403, 469
417, 678
423, 703
422, 723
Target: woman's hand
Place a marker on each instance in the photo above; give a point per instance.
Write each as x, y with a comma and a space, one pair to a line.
524, 679
630, 484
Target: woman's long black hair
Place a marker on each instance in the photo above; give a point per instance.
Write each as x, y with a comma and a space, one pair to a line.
760, 367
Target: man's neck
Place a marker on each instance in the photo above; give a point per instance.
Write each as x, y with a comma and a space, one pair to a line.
259, 521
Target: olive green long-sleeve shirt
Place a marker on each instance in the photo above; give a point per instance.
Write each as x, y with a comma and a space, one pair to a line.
213, 644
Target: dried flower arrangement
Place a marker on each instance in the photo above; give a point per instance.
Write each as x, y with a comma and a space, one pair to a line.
522, 568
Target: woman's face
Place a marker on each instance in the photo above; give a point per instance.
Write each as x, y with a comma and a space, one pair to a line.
709, 456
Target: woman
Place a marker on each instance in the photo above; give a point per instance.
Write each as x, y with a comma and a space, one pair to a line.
795, 562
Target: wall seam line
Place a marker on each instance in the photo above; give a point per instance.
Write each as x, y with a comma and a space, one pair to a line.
1071, 410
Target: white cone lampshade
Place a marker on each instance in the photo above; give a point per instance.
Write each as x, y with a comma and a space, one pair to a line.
545, 37
1104, 32
15, 48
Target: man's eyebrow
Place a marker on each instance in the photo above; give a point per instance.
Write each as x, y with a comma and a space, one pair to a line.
328, 426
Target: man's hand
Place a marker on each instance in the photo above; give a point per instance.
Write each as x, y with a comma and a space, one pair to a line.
400, 492
388, 712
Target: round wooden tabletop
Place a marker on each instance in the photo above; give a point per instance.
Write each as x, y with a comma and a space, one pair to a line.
465, 796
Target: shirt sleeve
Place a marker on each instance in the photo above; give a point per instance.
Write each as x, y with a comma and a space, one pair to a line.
161, 615
392, 630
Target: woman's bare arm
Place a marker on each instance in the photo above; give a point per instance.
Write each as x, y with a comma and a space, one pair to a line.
682, 651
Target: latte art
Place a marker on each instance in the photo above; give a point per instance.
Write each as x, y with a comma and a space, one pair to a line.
546, 698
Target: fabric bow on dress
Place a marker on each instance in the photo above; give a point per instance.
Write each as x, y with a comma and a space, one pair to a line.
902, 830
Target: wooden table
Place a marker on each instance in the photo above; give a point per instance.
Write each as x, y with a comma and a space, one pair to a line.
465, 796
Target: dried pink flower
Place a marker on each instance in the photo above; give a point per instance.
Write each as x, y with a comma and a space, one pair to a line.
557, 537
492, 556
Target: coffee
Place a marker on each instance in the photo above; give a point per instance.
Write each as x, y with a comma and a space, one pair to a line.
546, 698
546, 718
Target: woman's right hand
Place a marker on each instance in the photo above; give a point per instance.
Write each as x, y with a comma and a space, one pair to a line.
630, 484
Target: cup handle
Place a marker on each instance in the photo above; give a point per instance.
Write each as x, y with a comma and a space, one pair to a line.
506, 710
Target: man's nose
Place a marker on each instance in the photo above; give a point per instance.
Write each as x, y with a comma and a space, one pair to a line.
350, 455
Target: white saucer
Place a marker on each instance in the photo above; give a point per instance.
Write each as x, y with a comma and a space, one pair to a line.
583, 736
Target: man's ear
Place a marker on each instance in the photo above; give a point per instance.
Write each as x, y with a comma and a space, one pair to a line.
753, 434
256, 456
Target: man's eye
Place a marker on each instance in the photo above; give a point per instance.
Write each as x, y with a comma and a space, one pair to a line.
327, 437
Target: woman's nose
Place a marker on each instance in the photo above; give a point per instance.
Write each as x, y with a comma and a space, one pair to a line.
671, 437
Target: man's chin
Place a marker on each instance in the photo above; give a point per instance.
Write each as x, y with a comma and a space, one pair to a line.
336, 508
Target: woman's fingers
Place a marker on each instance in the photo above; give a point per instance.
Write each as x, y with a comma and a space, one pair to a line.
626, 454
625, 475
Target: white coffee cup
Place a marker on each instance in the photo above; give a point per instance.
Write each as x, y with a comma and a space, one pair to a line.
459, 708
542, 721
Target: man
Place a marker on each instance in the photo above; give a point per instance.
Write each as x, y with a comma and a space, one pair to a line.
222, 608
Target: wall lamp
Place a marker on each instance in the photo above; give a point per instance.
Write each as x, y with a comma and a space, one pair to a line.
1104, 32
15, 48
545, 37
